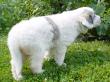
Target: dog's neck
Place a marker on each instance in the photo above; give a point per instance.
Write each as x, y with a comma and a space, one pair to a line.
82, 29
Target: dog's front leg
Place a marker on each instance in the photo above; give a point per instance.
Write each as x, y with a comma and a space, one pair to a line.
60, 55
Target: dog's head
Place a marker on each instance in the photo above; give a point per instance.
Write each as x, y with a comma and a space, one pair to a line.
88, 18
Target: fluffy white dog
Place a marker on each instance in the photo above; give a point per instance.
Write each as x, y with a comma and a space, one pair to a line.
52, 33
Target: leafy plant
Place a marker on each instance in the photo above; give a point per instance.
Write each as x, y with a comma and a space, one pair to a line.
14, 11
105, 26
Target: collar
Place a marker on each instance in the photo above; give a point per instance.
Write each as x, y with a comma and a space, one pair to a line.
55, 30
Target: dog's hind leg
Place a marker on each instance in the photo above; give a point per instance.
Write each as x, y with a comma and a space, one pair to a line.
16, 62
37, 61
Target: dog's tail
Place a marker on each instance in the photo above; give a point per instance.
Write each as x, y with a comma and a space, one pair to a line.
16, 58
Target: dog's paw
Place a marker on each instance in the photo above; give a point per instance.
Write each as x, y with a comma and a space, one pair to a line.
64, 64
18, 77
38, 71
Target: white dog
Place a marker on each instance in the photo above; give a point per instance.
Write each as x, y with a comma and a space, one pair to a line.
52, 33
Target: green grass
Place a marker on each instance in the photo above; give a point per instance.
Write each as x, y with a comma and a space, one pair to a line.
86, 62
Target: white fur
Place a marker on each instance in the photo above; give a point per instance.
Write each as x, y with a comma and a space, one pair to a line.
34, 37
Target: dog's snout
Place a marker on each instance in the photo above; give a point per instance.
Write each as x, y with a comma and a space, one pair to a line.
97, 21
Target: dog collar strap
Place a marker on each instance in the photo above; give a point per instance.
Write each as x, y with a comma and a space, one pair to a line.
55, 28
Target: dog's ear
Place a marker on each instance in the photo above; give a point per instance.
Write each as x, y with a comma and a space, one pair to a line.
87, 20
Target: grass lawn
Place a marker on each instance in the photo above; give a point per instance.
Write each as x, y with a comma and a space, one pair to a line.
86, 62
